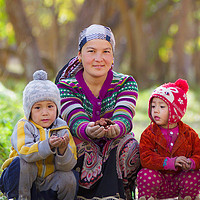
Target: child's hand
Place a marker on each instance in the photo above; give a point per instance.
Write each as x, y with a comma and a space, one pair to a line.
187, 166
59, 142
64, 144
55, 141
183, 162
65, 141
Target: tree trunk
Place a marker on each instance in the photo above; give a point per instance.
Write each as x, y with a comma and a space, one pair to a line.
84, 18
27, 48
133, 24
182, 61
139, 51
196, 55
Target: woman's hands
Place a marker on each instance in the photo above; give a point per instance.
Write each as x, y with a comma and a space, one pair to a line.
99, 130
95, 131
183, 162
59, 142
113, 131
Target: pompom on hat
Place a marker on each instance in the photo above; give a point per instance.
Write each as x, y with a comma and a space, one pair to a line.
174, 95
40, 89
96, 31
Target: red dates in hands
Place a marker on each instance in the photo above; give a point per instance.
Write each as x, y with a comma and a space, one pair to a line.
104, 122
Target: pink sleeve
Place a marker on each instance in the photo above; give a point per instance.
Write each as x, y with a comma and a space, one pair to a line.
169, 163
192, 164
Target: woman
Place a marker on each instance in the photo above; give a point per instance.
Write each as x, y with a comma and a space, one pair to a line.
99, 105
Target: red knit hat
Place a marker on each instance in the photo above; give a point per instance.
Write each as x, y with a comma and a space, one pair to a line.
174, 95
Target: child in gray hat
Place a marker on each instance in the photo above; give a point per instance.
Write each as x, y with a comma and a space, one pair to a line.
43, 150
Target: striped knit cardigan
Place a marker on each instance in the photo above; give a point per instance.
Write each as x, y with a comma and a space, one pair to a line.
116, 101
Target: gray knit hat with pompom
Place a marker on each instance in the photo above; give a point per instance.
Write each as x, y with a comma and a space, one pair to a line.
40, 89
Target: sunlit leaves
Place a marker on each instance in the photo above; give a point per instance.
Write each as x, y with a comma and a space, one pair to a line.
64, 9
192, 45
47, 11
176, 1
198, 43
5, 26
30, 9
165, 52
67, 10
48, 3
45, 19
196, 14
173, 29
65, 15
189, 47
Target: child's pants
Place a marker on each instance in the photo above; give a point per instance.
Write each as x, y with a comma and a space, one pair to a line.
18, 178
152, 183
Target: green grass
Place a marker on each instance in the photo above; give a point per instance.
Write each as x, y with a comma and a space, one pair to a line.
10, 112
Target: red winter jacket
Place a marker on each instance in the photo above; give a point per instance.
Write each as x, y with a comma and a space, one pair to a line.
154, 149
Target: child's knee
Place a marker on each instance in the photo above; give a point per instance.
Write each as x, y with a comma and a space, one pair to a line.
65, 181
149, 177
67, 185
191, 177
28, 167
9, 180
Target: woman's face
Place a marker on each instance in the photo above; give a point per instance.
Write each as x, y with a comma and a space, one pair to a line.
96, 57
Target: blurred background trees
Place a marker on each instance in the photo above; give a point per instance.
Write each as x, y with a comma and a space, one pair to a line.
156, 40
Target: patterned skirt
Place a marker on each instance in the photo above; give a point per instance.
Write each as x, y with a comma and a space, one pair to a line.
108, 172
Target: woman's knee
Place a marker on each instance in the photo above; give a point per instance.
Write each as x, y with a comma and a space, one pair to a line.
129, 149
128, 155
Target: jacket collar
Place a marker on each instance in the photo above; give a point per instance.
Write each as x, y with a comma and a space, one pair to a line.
160, 139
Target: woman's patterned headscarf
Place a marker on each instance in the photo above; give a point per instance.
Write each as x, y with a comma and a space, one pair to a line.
96, 31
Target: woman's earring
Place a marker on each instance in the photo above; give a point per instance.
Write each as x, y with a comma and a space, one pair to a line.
79, 60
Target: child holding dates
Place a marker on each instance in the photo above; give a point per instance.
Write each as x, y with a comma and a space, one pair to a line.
43, 150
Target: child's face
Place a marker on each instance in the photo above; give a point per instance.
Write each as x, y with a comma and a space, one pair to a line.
44, 113
160, 112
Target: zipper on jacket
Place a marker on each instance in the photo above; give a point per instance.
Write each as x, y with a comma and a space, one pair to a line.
43, 161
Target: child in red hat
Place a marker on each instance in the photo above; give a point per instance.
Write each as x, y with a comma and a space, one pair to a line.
169, 148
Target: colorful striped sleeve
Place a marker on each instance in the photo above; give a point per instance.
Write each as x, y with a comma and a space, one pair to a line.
72, 110
124, 110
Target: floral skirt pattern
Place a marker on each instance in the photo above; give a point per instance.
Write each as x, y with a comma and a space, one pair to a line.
109, 172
